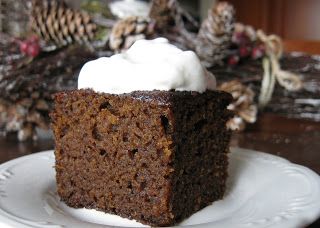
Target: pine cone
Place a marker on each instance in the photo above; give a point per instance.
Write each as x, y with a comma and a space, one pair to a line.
214, 37
23, 117
125, 32
12, 119
58, 24
163, 13
243, 104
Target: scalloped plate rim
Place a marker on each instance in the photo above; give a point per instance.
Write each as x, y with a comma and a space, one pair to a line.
10, 221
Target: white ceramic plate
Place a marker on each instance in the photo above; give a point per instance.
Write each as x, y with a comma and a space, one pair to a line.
263, 191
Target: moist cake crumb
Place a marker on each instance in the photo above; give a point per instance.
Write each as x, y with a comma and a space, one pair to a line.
153, 156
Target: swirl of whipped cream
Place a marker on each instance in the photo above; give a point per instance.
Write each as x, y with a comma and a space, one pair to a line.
148, 65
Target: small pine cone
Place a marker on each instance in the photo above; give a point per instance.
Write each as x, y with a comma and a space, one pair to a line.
214, 37
163, 13
23, 117
60, 25
125, 32
243, 104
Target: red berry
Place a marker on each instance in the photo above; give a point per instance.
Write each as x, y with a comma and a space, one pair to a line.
236, 38
240, 38
23, 47
33, 50
258, 52
243, 51
233, 60
33, 39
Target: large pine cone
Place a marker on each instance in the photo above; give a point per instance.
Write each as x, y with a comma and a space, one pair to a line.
58, 24
214, 37
125, 32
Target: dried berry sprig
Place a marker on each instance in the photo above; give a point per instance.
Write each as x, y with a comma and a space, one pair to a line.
30, 46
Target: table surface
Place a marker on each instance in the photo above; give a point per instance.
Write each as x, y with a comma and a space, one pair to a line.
293, 139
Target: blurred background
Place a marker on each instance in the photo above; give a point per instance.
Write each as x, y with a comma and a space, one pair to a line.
264, 52
296, 21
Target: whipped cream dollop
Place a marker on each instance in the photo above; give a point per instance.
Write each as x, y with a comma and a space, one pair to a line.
147, 65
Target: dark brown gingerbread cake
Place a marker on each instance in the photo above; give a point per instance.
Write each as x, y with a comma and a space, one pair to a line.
156, 156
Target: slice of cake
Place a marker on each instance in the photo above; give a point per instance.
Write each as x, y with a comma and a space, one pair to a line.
147, 139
